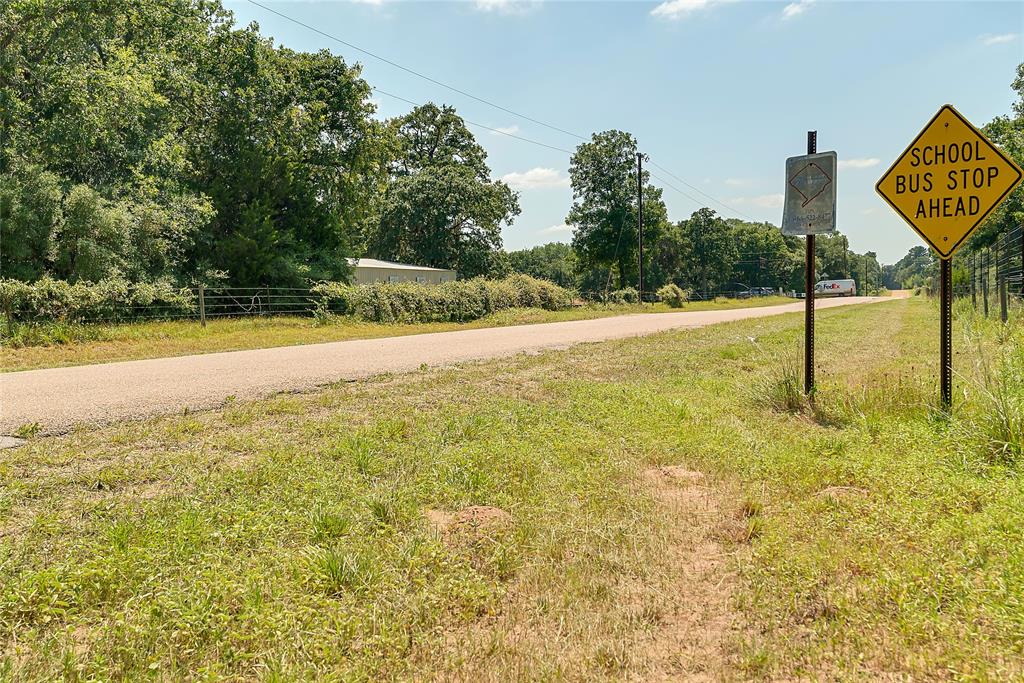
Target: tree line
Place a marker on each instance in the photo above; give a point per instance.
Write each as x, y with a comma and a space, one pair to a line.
156, 141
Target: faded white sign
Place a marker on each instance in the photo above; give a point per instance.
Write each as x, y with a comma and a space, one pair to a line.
810, 207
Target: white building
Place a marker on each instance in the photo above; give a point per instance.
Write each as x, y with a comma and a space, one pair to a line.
369, 270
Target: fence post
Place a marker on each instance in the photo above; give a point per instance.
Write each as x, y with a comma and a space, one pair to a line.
1020, 236
984, 278
974, 277
202, 304
9, 314
1003, 312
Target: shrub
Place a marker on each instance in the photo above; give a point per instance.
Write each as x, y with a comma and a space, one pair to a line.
459, 301
673, 295
629, 295
49, 300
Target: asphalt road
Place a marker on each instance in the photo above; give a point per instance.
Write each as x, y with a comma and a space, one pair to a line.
60, 398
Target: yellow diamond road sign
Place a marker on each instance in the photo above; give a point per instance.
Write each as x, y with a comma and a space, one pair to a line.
948, 181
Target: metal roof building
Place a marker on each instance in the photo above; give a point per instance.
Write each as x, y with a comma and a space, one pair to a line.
369, 270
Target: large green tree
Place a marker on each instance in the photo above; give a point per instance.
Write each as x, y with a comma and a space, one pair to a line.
441, 208
765, 258
604, 211
1008, 133
179, 145
709, 251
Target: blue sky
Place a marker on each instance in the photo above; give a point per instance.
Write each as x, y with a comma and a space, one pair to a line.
719, 93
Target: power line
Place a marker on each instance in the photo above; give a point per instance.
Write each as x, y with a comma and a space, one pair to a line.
417, 73
499, 107
698, 190
478, 125
671, 186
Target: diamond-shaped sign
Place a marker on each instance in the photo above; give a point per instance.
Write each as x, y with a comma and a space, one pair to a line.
810, 204
948, 181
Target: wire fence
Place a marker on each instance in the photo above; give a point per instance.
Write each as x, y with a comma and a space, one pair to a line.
995, 274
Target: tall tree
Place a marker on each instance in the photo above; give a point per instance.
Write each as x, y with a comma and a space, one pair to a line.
1008, 133
186, 144
441, 208
435, 137
604, 211
765, 258
709, 251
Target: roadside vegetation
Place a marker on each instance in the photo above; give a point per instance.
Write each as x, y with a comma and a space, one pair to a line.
643, 508
41, 345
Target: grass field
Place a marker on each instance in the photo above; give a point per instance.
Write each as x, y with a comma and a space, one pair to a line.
62, 345
656, 508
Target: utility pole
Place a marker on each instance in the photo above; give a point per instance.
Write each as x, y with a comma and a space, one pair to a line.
812, 148
640, 221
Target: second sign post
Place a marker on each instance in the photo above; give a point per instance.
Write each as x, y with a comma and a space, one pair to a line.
810, 209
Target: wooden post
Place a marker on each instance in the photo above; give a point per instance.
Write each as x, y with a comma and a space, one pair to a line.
202, 304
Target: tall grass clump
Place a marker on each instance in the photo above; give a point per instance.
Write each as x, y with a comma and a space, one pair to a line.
997, 416
782, 389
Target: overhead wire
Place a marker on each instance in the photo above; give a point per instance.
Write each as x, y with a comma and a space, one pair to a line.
478, 125
419, 74
705, 194
489, 103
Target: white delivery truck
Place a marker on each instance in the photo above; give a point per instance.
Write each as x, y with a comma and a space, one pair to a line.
836, 288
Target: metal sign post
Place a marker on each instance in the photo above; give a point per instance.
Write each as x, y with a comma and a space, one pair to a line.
944, 185
640, 223
809, 210
946, 333
812, 148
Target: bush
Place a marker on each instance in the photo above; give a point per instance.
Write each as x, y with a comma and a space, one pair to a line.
629, 295
459, 301
673, 295
49, 300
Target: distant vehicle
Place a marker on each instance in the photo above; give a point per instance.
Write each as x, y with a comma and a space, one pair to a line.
763, 291
836, 288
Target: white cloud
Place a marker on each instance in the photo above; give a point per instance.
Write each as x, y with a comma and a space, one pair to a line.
796, 8
506, 130
556, 228
859, 163
534, 178
680, 9
764, 201
998, 39
506, 6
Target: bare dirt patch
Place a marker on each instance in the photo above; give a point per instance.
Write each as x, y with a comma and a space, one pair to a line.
472, 521
694, 639
678, 473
